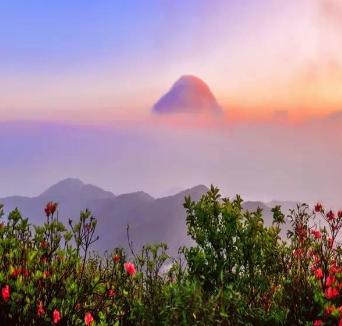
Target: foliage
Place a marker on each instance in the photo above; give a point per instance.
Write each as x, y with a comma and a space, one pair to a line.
240, 272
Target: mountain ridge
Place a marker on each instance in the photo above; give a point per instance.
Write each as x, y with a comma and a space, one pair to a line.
151, 219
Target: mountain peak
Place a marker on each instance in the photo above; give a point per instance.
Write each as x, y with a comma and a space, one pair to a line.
73, 190
189, 94
65, 184
191, 79
195, 192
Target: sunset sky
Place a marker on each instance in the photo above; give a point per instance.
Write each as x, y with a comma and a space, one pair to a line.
76, 60
79, 78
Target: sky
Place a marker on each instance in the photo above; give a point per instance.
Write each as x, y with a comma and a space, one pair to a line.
85, 60
78, 80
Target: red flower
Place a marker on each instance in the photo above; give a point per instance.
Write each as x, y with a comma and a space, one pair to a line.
44, 244
330, 280
17, 272
339, 214
47, 273
330, 215
331, 293
328, 310
88, 318
333, 269
130, 269
50, 208
56, 316
297, 253
330, 241
111, 293
316, 233
318, 208
6, 293
40, 310
317, 323
116, 258
319, 273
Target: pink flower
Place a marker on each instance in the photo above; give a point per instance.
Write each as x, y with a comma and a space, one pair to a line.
56, 316
317, 323
319, 273
116, 258
130, 269
88, 318
6, 293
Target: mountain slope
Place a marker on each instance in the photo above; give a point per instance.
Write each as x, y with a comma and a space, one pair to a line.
151, 220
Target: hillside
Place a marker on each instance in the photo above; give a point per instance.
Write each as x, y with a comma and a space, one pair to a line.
151, 220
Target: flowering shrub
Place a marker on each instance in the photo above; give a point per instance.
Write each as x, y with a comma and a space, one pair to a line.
315, 267
240, 272
45, 280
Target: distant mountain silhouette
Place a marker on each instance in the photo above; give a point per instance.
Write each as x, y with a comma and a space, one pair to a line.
189, 94
286, 206
72, 196
171, 191
151, 220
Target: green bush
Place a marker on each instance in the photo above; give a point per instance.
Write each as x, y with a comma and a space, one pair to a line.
240, 272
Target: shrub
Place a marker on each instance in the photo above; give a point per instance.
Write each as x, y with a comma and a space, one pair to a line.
240, 272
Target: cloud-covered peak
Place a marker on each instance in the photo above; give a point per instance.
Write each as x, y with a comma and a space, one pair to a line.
189, 94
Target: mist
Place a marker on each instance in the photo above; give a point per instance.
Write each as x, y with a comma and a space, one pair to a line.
260, 161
